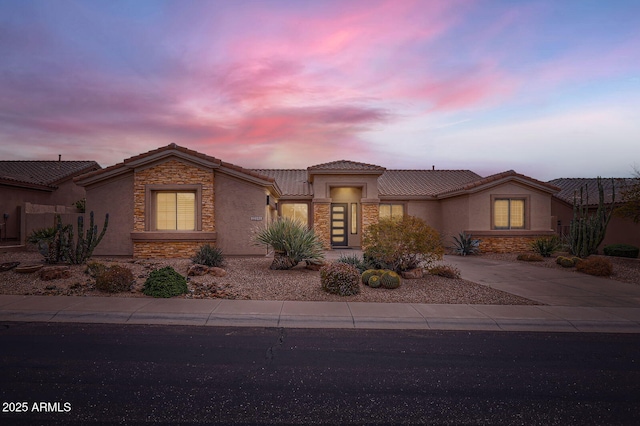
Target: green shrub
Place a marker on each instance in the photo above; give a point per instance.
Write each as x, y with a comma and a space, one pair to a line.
368, 274
165, 282
622, 250
447, 271
530, 257
374, 281
114, 279
390, 280
292, 243
340, 278
400, 245
209, 255
465, 244
546, 246
354, 260
595, 266
566, 262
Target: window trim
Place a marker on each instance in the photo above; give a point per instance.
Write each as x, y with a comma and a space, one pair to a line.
150, 205
526, 211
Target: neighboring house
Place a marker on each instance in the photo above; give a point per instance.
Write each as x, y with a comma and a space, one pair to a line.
169, 201
619, 231
47, 183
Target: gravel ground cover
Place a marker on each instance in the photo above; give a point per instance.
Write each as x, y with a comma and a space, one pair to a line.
250, 278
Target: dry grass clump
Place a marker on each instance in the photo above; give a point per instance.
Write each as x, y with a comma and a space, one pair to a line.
597, 266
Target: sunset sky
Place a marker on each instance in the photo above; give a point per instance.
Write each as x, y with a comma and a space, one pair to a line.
547, 88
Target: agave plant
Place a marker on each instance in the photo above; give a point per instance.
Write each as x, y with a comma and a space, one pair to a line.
292, 243
465, 244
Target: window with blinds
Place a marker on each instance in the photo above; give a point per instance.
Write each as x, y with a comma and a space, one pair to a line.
176, 211
391, 211
296, 211
508, 213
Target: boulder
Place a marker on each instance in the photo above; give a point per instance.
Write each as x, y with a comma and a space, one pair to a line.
197, 270
55, 273
413, 274
217, 272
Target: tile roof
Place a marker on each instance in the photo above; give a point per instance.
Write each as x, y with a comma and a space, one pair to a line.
500, 176
43, 173
569, 186
187, 151
346, 165
423, 182
292, 182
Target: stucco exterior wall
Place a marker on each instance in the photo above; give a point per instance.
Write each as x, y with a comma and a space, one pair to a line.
322, 184
455, 217
13, 199
429, 211
236, 203
115, 197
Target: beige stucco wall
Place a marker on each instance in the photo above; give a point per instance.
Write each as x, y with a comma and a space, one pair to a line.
13, 199
114, 196
429, 211
454, 216
237, 202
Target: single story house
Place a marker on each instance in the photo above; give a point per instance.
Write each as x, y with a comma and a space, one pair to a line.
42, 186
169, 201
620, 230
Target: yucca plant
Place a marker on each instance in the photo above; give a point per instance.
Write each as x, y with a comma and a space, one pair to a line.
546, 246
465, 245
292, 243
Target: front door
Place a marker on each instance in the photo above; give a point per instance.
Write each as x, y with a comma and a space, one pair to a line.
339, 224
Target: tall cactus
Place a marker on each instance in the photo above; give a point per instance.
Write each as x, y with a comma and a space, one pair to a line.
85, 244
588, 230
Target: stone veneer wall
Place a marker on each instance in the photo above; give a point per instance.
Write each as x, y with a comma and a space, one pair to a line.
506, 244
321, 223
172, 172
370, 215
166, 249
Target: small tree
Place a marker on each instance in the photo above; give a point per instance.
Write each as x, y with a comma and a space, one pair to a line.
292, 243
588, 230
630, 207
401, 245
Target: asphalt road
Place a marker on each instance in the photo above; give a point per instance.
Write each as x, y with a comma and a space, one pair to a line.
83, 374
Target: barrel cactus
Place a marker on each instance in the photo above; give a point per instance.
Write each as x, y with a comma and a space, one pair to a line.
390, 280
368, 274
374, 281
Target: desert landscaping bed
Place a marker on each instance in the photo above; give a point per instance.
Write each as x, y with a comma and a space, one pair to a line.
250, 278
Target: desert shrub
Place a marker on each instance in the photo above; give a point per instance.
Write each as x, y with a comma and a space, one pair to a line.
465, 244
340, 278
209, 255
444, 270
530, 257
566, 262
546, 246
390, 280
165, 282
292, 243
42, 234
595, 266
95, 268
621, 250
368, 274
114, 279
400, 245
374, 281
356, 261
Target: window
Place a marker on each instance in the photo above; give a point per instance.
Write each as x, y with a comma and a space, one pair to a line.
354, 218
391, 211
508, 213
175, 211
296, 211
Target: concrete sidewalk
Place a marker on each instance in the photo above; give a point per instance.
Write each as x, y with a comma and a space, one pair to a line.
573, 302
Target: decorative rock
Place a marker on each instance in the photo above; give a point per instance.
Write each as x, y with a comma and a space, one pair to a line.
197, 270
8, 265
217, 272
27, 269
315, 266
55, 273
413, 274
